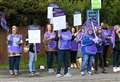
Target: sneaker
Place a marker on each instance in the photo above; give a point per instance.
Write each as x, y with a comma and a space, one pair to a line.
71, 66
82, 73
11, 72
118, 68
50, 71
68, 75
31, 74
89, 72
15, 72
115, 69
58, 75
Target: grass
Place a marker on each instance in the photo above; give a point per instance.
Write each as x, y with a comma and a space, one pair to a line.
41, 60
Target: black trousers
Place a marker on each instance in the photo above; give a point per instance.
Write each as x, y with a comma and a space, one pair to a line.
99, 60
105, 50
116, 58
73, 56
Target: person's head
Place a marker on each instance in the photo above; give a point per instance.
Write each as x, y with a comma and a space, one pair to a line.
99, 30
116, 27
73, 30
90, 31
14, 29
118, 30
49, 27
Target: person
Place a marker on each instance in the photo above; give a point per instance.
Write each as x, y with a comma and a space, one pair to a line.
64, 43
88, 49
50, 44
74, 48
106, 33
14, 51
116, 48
99, 54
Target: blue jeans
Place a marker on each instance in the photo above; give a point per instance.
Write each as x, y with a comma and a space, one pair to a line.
14, 63
63, 57
31, 62
87, 61
50, 58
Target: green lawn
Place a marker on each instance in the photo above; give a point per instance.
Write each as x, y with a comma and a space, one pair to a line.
41, 60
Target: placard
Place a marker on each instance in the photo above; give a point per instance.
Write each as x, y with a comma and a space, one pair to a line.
50, 13
93, 16
59, 23
77, 20
59, 19
34, 36
96, 4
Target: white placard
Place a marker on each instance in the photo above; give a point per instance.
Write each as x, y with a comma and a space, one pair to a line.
77, 20
59, 23
34, 36
50, 13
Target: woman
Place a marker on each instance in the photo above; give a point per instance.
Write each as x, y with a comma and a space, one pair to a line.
64, 44
50, 46
88, 49
99, 55
106, 33
14, 50
74, 48
116, 48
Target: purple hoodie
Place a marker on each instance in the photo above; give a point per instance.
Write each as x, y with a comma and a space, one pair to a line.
14, 42
64, 42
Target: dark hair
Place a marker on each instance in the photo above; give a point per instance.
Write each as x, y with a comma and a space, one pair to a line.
50, 25
74, 28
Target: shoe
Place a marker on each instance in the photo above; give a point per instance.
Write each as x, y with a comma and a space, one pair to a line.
11, 72
71, 66
115, 69
50, 71
89, 72
15, 72
58, 75
118, 68
82, 73
104, 71
31, 74
67, 75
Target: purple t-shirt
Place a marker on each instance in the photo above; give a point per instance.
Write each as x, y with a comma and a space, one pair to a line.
64, 40
52, 35
14, 43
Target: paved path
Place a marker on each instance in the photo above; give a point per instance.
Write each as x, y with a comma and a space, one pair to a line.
44, 77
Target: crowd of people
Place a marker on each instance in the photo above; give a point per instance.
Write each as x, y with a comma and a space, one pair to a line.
64, 45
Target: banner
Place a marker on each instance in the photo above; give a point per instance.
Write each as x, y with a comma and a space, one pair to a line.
93, 16
59, 19
77, 19
96, 4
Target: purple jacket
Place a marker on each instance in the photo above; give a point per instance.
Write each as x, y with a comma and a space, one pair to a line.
106, 33
64, 40
14, 42
79, 38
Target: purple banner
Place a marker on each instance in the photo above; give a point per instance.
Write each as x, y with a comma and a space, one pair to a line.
58, 12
